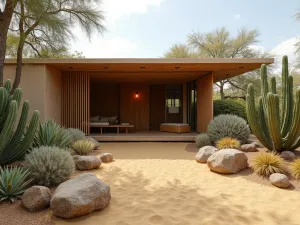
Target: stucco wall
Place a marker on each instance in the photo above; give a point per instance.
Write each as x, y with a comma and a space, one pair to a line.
53, 94
32, 84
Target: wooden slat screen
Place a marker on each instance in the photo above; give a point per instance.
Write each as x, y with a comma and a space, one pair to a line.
76, 100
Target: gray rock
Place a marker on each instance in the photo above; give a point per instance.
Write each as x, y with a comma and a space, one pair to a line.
36, 198
87, 162
80, 196
106, 157
279, 180
204, 153
227, 161
96, 143
249, 147
288, 155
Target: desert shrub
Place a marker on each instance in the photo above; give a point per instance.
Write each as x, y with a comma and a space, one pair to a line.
202, 140
266, 163
228, 142
232, 107
49, 165
76, 134
83, 147
295, 168
228, 126
13, 182
52, 134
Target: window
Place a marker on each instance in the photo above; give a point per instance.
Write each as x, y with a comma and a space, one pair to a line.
171, 102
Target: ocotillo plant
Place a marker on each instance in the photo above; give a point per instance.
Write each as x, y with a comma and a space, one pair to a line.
275, 130
14, 140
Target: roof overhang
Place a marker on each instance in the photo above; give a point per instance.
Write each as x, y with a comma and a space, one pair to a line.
154, 69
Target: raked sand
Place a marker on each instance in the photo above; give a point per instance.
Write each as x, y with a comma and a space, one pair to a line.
161, 183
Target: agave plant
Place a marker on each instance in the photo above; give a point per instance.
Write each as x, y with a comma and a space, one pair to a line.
13, 182
83, 147
52, 134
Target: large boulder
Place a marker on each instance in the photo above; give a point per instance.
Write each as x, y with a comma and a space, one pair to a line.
288, 155
204, 153
279, 180
96, 143
36, 198
249, 147
87, 162
227, 161
80, 196
106, 157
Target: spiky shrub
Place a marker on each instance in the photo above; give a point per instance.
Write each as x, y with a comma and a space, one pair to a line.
228, 126
295, 168
228, 142
49, 165
52, 134
229, 106
267, 163
83, 147
76, 134
276, 132
13, 182
202, 140
14, 143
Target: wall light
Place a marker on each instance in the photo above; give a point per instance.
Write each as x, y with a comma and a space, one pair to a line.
137, 95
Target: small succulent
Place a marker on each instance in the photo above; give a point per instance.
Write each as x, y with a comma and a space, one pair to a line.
228, 142
83, 147
13, 182
202, 140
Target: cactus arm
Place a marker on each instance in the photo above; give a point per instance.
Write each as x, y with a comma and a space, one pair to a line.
8, 126
3, 100
263, 123
273, 120
273, 85
252, 118
7, 85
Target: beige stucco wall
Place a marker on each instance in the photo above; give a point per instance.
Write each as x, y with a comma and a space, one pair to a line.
32, 85
53, 94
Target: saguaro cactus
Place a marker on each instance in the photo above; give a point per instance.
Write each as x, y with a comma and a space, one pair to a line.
275, 131
14, 140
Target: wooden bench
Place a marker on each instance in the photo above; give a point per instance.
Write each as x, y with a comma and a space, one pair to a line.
118, 126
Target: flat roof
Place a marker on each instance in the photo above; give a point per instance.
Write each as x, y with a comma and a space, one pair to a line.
178, 69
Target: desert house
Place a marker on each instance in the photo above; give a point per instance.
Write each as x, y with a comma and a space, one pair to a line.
138, 96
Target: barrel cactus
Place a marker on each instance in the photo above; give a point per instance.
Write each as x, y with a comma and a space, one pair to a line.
276, 132
15, 140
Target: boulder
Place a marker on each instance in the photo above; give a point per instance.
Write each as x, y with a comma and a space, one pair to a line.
106, 157
87, 162
36, 198
204, 153
80, 196
227, 161
279, 180
249, 147
96, 143
288, 155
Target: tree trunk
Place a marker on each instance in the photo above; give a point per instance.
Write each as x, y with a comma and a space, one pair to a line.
222, 91
19, 64
2, 53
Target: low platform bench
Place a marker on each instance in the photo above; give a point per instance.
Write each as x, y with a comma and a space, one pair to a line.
175, 127
118, 126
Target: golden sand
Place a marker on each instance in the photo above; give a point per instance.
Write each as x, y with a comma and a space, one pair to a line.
161, 183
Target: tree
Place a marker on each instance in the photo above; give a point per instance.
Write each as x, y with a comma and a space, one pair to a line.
180, 51
48, 25
6, 13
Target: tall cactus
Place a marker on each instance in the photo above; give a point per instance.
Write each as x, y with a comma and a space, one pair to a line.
275, 131
14, 140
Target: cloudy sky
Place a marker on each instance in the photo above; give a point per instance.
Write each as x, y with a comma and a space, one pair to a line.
147, 28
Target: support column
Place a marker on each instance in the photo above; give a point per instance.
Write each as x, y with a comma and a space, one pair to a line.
184, 103
204, 102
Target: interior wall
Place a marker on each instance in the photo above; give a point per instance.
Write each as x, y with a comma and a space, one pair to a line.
32, 85
135, 111
204, 102
104, 99
53, 94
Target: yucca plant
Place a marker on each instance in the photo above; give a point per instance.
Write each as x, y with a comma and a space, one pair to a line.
52, 134
228, 142
267, 163
295, 168
83, 147
13, 182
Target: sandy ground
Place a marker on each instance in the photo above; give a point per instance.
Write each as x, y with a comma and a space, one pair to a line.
161, 183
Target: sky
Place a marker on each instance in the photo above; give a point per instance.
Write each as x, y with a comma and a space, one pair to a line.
148, 28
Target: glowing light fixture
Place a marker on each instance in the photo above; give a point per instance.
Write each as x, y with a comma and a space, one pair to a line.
137, 95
